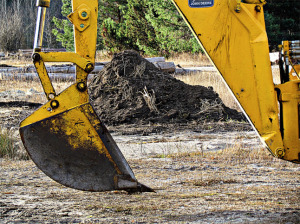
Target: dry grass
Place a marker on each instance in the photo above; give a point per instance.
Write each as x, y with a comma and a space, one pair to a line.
17, 62
234, 154
27, 85
190, 60
6, 85
186, 192
102, 56
6, 145
10, 147
214, 80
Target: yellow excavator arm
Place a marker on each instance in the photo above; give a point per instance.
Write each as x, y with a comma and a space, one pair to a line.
67, 140
233, 35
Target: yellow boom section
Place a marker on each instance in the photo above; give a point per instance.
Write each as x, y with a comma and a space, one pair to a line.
233, 35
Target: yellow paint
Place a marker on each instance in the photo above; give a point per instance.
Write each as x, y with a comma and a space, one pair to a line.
290, 99
68, 99
78, 129
295, 72
237, 44
65, 57
84, 12
44, 78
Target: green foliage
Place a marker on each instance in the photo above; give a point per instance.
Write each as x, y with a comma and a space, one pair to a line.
172, 33
153, 27
112, 25
64, 29
282, 21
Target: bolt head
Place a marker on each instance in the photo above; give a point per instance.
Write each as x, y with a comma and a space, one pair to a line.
54, 104
36, 57
89, 67
257, 8
84, 14
81, 86
280, 152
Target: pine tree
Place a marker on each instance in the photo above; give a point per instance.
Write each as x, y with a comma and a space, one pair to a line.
151, 26
172, 33
282, 21
112, 25
154, 27
64, 29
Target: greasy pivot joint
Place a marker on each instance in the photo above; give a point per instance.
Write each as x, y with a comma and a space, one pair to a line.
36, 57
257, 8
54, 104
280, 153
89, 67
81, 86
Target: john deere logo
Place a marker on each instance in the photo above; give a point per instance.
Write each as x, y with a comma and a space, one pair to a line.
201, 3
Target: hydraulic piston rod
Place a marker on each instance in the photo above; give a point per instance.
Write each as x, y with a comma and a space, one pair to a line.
40, 22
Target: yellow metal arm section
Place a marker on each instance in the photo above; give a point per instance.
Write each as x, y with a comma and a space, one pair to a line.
233, 35
67, 57
45, 80
84, 19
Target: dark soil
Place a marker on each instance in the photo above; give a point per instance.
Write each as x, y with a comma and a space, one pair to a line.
131, 90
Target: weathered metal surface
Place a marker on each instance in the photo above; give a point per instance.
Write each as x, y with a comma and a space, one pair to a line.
75, 149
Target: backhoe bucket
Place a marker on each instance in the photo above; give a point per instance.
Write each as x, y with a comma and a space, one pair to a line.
74, 148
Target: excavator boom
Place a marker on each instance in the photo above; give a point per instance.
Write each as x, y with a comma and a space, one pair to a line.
233, 35
67, 140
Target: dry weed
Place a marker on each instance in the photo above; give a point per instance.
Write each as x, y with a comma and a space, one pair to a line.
190, 60
103, 55
33, 90
10, 147
150, 99
22, 85
214, 80
6, 144
212, 181
207, 106
233, 154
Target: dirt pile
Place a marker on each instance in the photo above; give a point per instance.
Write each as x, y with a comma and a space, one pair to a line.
132, 90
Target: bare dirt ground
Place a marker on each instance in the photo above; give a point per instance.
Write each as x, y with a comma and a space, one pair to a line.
202, 172
190, 188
